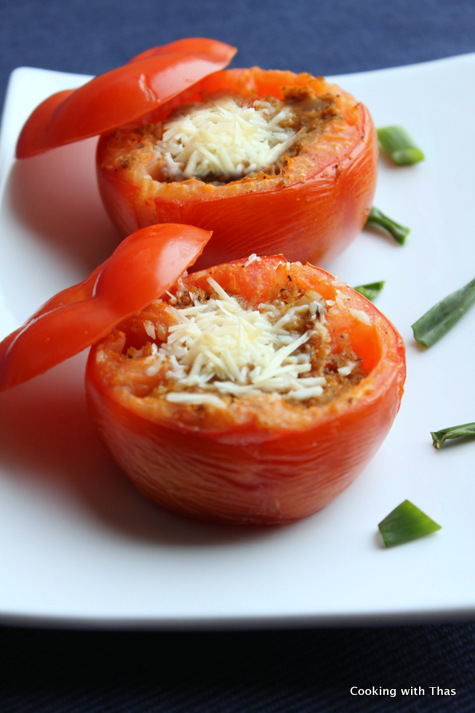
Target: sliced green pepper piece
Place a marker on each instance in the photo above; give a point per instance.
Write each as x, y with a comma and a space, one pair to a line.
437, 321
378, 219
465, 430
395, 141
371, 290
406, 523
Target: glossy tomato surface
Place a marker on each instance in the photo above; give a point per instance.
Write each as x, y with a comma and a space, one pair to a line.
149, 261
260, 460
121, 95
311, 211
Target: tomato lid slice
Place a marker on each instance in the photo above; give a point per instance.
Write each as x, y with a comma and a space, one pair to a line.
141, 268
121, 95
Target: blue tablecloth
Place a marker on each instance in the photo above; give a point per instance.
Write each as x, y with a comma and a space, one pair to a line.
56, 670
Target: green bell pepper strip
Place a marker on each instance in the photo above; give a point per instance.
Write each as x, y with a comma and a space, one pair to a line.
399, 145
378, 219
371, 290
440, 318
465, 430
406, 523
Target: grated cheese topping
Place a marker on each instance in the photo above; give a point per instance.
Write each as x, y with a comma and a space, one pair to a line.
217, 347
224, 137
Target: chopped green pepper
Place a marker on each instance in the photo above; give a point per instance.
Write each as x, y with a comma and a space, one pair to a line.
395, 141
378, 219
371, 290
406, 523
465, 430
437, 321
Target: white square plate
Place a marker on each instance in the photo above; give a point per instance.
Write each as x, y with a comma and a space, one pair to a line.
79, 546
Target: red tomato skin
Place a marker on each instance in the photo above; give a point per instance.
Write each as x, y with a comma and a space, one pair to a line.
151, 258
121, 95
248, 473
312, 217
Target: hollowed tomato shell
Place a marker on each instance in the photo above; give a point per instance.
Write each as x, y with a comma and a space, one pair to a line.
255, 462
310, 212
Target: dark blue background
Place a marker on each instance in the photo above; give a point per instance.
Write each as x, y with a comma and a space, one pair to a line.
320, 36
53, 671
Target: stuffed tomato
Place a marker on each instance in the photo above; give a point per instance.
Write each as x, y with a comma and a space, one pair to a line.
253, 392
271, 161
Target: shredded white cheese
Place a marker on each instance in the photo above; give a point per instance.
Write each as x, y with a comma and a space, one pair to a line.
360, 315
223, 137
217, 347
252, 258
149, 329
347, 369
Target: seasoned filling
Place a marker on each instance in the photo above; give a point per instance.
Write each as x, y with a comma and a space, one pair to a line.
219, 348
226, 138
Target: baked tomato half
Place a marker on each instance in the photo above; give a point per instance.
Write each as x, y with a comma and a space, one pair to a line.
271, 161
253, 392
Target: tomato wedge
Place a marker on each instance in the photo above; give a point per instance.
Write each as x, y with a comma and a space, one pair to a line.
217, 450
309, 206
218, 51
138, 271
122, 94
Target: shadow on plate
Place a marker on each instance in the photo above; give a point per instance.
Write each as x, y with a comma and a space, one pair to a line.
47, 436
55, 196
